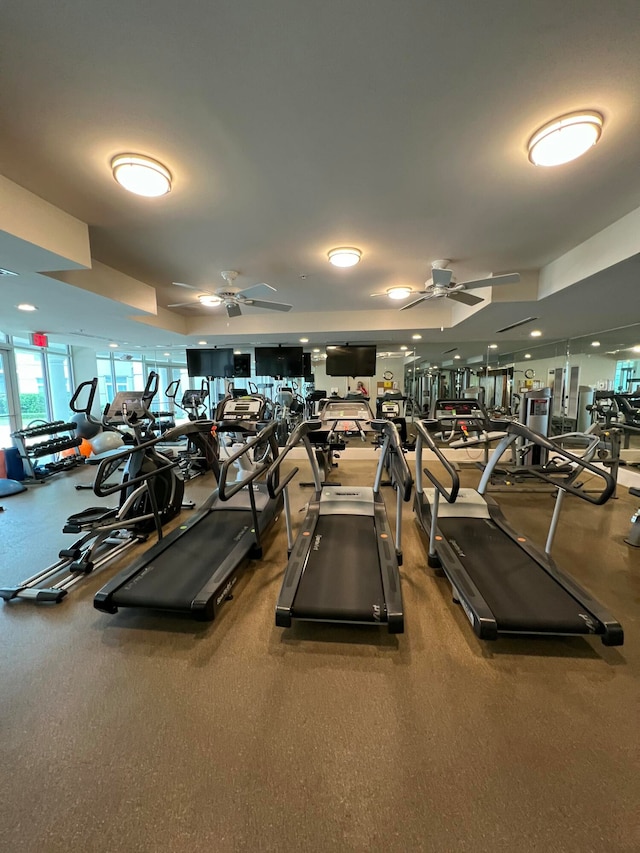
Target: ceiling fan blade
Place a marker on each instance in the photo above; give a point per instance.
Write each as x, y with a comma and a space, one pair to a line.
274, 306
182, 304
254, 287
416, 301
233, 310
441, 277
507, 278
190, 286
379, 294
465, 298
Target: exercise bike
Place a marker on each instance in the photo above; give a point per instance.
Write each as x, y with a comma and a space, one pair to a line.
151, 492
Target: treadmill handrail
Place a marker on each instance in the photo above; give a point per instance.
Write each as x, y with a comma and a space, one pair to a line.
103, 492
424, 435
225, 494
398, 469
298, 434
517, 430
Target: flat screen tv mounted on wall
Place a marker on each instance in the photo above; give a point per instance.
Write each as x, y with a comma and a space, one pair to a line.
351, 361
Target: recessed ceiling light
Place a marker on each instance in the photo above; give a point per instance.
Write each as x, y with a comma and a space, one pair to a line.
457, 356
332, 347
25, 306
210, 301
527, 355
417, 337
304, 340
595, 343
237, 352
635, 349
403, 347
399, 292
536, 333
493, 346
113, 346
202, 343
166, 353
316, 350
141, 175
565, 138
344, 256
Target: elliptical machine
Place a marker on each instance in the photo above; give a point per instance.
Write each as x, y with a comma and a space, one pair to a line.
192, 462
151, 492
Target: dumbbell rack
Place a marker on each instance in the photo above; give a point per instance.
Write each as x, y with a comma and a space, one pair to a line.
53, 443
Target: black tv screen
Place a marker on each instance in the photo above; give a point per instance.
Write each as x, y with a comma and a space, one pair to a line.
216, 363
279, 362
242, 366
351, 361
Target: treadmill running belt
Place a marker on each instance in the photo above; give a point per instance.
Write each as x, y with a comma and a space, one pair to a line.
174, 578
520, 594
341, 580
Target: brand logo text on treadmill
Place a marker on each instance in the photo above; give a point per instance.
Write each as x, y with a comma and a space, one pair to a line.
316, 542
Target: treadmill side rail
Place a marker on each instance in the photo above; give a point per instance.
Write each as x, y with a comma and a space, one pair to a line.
389, 573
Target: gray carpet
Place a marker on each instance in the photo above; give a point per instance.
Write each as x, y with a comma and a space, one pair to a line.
145, 732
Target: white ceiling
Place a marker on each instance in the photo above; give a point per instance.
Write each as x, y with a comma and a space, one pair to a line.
291, 127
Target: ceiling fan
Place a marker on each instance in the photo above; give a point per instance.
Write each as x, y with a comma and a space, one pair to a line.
232, 299
442, 284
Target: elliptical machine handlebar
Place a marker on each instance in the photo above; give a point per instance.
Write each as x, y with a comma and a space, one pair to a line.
92, 385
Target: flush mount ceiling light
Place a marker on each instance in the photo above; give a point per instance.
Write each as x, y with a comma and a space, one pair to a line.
25, 306
565, 138
210, 301
344, 256
141, 175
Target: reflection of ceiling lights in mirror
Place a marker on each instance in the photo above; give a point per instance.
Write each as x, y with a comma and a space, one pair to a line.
141, 175
344, 256
565, 138
404, 347
316, 350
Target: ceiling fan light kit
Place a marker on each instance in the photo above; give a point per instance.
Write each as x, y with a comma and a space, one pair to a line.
141, 175
565, 138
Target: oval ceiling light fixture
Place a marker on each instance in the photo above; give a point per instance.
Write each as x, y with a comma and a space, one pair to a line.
565, 138
344, 256
210, 301
141, 175
400, 292
26, 306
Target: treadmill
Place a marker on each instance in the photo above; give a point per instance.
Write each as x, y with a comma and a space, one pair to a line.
193, 569
505, 584
343, 566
